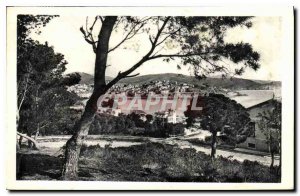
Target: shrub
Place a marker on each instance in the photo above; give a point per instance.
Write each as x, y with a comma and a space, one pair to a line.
163, 162
133, 125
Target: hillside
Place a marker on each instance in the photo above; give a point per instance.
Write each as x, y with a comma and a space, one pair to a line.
234, 83
88, 78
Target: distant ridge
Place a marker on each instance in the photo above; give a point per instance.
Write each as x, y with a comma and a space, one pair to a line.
229, 83
89, 79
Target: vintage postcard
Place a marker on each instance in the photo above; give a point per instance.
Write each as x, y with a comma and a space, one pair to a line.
150, 98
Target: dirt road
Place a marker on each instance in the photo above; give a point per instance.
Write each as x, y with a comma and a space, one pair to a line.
53, 146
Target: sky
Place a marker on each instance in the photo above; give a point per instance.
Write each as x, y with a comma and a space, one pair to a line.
63, 34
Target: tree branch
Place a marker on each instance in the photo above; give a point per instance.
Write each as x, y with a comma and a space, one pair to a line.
216, 67
24, 94
151, 40
30, 139
127, 37
159, 33
26, 85
122, 75
176, 55
92, 27
169, 35
87, 36
133, 31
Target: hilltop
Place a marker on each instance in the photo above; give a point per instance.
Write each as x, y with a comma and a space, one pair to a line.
228, 83
89, 79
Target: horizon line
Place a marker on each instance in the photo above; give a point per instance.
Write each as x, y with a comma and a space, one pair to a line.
183, 75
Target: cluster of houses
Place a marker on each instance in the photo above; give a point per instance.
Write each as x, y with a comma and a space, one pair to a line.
164, 87
255, 101
82, 90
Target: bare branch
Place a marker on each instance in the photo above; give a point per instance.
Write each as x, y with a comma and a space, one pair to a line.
117, 23
154, 42
86, 23
146, 58
133, 31
169, 35
216, 67
127, 37
151, 40
91, 40
177, 55
92, 27
24, 94
161, 48
124, 74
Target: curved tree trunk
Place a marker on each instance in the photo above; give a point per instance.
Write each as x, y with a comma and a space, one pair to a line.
31, 140
74, 144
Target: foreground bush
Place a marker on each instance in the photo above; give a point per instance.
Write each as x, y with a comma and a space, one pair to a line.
161, 162
152, 162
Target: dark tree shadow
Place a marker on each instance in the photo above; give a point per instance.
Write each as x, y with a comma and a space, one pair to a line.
38, 165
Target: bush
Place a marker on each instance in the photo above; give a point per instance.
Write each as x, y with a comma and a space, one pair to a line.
163, 162
146, 162
133, 125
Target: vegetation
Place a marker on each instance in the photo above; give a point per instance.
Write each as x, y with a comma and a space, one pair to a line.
270, 124
147, 162
197, 42
219, 82
221, 115
43, 100
133, 125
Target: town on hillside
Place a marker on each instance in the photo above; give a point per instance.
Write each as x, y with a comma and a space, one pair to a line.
148, 98
255, 101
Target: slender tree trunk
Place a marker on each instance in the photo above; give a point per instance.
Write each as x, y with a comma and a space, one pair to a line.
279, 166
37, 132
81, 129
20, 141
213, 145
272, 160
271, 148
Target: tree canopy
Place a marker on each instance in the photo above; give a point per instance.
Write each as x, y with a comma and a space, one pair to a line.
43, 100
221, 115
196, 41
270, 124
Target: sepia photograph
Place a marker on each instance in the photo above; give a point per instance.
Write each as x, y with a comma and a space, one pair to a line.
172, 98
